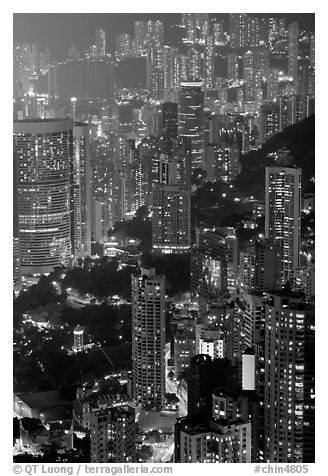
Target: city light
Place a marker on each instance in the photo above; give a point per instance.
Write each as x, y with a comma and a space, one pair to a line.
164, 238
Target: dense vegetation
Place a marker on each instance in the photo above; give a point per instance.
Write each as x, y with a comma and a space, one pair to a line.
138, 228
176, 269
103, 279
299, 139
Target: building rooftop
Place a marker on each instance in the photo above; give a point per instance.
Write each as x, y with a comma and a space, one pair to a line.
200, 424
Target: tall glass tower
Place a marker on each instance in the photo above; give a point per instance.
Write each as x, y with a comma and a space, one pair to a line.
100, 42
293, 53
43, 199
283, 215
191, 119
81, 189
148, 339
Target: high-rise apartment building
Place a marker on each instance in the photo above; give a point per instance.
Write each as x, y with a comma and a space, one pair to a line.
250, 309
312, 51
148, 339
81, 228
100, 42
191, 119
227, 162
253, 31
155, 72
272, 84
16, 258
43, 166
293, 53
255, 69
171, 67
232, 66
210, 342
113, 435
184, 349
259, 267
218, 32
102, 188
284, 377
171, 201
248, 74
231, 240
196, 27
194, 65
208, 270
171, 218
268, 121
209, 62
170, 123
155, 33
209, 440
309, 386
283, 215
123, 45
140, 35
292, 108
238, 23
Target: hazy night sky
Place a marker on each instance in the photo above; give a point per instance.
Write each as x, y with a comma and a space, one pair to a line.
58, 31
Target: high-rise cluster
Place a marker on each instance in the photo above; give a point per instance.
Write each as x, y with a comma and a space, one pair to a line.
182, 149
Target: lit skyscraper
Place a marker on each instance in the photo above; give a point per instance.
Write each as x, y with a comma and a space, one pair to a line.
208, 269
209, 440
170, 123
255, 68
171, 64
268, 121
253, 31
113, 435
284, 384
194, 68
43, 152
233, 67
100, 42
155, 72
81, 239
155, 33
248, 73
292, 109
218, 32
27, 61
209, 62
312, 51
196, 27
283, 215
35, 59
259, 267
123, 45
272, 84
238, 29
148, 339
184, 67
171, 207
191, 119
293, 53
140, 35
171, 218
